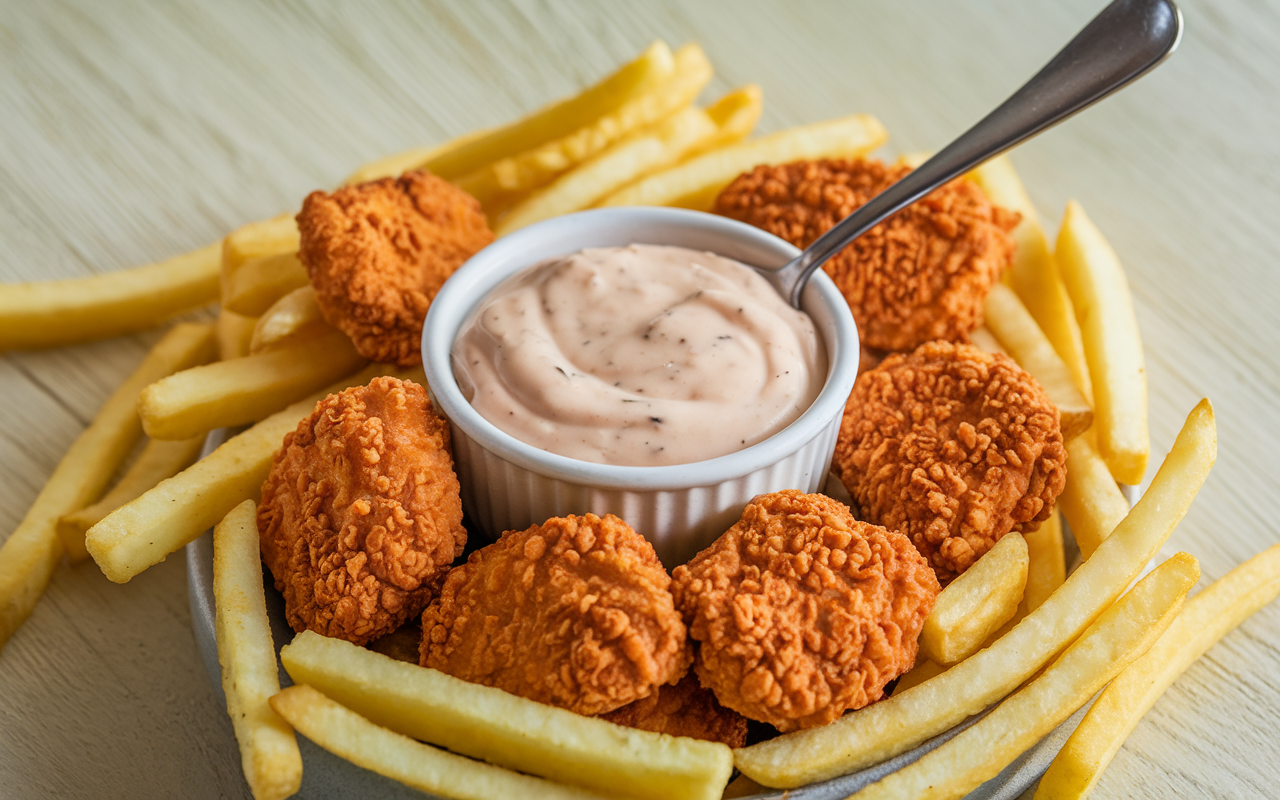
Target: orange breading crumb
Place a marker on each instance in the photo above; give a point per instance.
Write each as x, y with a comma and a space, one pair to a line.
360, 513
953, 446
922, 274
378, 252
684, 709
803, 612
575, 613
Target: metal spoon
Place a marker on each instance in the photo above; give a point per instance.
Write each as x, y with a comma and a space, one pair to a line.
1122, 43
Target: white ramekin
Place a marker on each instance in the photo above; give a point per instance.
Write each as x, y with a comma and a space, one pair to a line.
510, 485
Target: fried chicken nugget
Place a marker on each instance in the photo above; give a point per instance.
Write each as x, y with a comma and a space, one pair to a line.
803, 612
378, 252
360, 514
576, 613
684, 709
953, 446
922, 274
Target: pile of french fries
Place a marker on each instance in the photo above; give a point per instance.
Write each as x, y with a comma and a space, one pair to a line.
1014, 630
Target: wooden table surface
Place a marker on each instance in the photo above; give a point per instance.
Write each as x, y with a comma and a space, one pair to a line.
133, 131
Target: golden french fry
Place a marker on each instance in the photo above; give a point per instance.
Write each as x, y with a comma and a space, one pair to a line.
696, 182
234, 333
1204, 620
559, 119
158, 460
1113, 347
30, 554
348, 735
178, 510
735, 116
921, 672
117, 427
976, 604
685, 133
52, 313
229, 393
983, 339
260, 281
269, 237
1008, 319
1091, 501
651, 149
269, 751
914, 160
1125, 631
1047, 568
395, 165
1035, 275
501, 728
1046, 571
293, 317
884, 729
498, 184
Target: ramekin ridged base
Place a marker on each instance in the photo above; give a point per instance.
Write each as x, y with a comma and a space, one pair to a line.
679, 522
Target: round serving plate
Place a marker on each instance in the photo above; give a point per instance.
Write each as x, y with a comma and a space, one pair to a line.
325, 775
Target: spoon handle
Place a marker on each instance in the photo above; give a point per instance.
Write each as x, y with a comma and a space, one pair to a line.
1127, 39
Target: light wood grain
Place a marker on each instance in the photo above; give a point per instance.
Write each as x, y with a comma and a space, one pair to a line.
134, 131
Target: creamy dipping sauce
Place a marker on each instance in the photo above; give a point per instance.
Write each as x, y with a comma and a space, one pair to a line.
644, 355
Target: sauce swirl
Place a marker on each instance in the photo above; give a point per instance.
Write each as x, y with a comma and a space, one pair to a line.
645, 355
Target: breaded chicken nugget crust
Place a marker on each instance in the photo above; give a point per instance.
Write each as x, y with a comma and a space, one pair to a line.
922, 274
576, 613
685, 709
360, 514
802, 612
378, 252
953, 446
